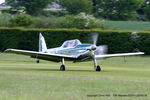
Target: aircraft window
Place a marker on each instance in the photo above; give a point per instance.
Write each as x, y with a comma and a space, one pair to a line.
71, 43
83, 45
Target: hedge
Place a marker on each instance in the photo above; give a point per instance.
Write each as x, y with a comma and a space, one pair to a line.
117, 41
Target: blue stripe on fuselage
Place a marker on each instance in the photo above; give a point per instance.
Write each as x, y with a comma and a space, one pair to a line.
81, 48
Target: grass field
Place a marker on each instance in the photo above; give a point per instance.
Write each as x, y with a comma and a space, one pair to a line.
129, 25
22, 79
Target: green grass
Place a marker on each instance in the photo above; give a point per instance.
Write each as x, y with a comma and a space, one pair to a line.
22, 79
129, 25
3, 8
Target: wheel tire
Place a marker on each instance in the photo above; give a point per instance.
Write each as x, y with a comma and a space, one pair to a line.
62, 68
37, 61
98, 68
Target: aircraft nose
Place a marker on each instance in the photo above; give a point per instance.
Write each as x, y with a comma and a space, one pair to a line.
93, 47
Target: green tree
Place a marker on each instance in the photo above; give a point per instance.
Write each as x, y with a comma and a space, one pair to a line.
32, 7
118, 9
21, 20
94, 6
146, 9
76, 6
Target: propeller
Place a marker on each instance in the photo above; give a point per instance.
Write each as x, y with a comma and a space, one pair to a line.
95, 38
98, 50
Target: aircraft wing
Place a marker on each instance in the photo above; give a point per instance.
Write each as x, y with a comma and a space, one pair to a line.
41, 55
119, 54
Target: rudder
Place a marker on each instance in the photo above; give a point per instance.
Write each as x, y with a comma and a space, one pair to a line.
42, 44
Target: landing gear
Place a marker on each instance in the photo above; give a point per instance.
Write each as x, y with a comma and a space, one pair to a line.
37, 61
62, 68
98, 68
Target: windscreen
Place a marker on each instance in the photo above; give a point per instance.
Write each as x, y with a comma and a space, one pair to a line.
71, 43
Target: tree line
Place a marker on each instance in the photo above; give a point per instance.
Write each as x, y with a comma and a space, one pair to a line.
107, 9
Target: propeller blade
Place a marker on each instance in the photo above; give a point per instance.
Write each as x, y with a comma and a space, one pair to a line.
100, 50
95, 38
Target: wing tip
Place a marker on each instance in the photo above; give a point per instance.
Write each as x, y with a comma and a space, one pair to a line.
142, 53
8, 50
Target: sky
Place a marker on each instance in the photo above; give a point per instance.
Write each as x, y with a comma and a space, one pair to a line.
1, 1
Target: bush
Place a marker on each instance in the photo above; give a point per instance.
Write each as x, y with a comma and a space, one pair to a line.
43, 22
91, 21
117, 41
4, 19
81, 21
71, 21
56, 13
21, 20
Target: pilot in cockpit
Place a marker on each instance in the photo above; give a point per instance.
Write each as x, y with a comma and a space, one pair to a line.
71, 43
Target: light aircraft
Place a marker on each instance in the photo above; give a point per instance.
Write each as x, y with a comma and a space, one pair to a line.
71, 50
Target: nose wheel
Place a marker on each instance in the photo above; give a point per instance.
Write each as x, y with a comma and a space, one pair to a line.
96, 67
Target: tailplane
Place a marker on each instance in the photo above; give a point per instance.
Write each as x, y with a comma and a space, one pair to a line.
42, 44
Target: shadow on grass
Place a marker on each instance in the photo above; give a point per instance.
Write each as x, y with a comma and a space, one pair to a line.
44, 69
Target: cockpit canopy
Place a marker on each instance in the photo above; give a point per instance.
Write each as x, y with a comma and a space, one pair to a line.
71, 43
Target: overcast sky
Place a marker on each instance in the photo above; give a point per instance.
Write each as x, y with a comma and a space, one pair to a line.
1, 1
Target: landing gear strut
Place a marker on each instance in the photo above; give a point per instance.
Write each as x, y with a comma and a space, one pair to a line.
62, 67
96, 67
37, 60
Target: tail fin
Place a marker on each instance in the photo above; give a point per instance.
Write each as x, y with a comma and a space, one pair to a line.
42, 44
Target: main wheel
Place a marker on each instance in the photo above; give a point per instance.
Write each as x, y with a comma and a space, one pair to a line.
37, 61
98, 68
62, 68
